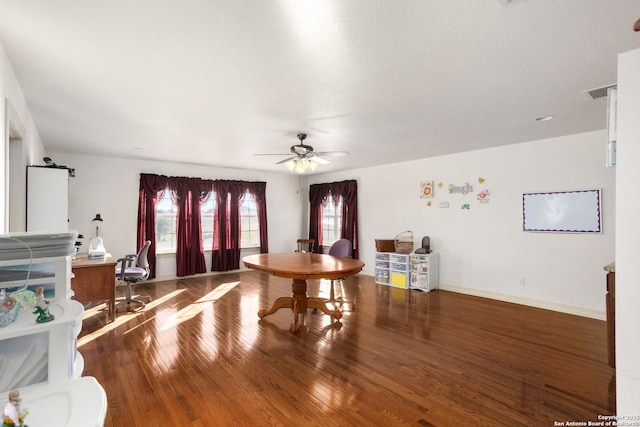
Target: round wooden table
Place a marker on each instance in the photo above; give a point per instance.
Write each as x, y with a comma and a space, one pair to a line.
299, 267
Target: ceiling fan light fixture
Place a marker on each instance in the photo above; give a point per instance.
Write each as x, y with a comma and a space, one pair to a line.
303, 158
291, 165
300, 168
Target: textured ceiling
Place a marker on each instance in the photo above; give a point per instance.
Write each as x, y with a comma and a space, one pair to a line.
214, 82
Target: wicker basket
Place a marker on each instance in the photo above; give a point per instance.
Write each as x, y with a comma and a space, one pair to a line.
404, 242
385, 245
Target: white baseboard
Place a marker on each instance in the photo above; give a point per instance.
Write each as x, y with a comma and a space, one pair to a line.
531, 302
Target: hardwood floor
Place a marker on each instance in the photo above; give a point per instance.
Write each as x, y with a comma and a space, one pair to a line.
199, 356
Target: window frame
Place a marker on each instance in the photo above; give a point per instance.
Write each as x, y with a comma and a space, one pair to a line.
336, 215
253, 219
207, 247
161, 249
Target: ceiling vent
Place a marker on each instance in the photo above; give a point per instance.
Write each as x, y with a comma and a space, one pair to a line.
599, 92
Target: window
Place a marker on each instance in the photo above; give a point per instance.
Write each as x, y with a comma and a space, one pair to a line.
166, 219
249, 229
331, 221
207, 212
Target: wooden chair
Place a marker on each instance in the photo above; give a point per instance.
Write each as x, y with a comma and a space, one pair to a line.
305, 245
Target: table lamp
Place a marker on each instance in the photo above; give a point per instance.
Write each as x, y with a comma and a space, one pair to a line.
96, 245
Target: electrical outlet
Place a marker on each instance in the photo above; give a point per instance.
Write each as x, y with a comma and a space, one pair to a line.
520, 281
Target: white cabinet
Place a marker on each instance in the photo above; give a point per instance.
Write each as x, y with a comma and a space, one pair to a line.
392, 269
33, 353
424, 271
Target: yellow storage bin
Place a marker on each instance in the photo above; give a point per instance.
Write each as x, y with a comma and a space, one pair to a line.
399, 279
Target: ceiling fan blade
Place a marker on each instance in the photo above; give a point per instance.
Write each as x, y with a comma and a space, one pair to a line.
304, 153
319, 160
285, 160
333, 153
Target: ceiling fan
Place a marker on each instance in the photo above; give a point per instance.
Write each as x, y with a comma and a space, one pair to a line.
303, 158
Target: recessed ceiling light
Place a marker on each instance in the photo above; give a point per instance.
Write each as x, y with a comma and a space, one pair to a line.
544, 118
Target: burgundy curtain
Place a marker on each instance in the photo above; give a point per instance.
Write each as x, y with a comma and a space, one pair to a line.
226, 223
226, 233
187, 194
350, 214
151, 187
258, 189
318, 196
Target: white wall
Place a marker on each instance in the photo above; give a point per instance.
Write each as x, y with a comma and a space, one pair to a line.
10, 92
627, 236
483, 250
109, 186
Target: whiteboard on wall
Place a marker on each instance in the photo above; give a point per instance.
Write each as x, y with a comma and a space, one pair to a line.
577, 211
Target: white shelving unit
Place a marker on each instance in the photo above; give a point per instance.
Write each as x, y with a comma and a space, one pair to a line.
34, 353
51, 273
382, 268
392, 269
424, 271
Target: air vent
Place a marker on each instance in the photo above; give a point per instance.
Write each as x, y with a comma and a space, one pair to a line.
599, 92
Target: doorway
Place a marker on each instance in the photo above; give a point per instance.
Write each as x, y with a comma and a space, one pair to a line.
15, 215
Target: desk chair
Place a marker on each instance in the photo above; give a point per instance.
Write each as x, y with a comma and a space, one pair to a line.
133, 269
305, 245
341, 248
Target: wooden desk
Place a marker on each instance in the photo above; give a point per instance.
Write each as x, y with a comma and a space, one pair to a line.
95, 280
299, 267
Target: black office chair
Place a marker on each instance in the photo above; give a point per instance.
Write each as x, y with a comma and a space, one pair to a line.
341, 248
133, 269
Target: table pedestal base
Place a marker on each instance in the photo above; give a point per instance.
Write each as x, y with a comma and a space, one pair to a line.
298, 302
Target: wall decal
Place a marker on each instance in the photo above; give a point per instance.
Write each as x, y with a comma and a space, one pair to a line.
429, 203
444, 204
426, 189
440, 185
466, 206
463, 189
481, 180
483, 196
